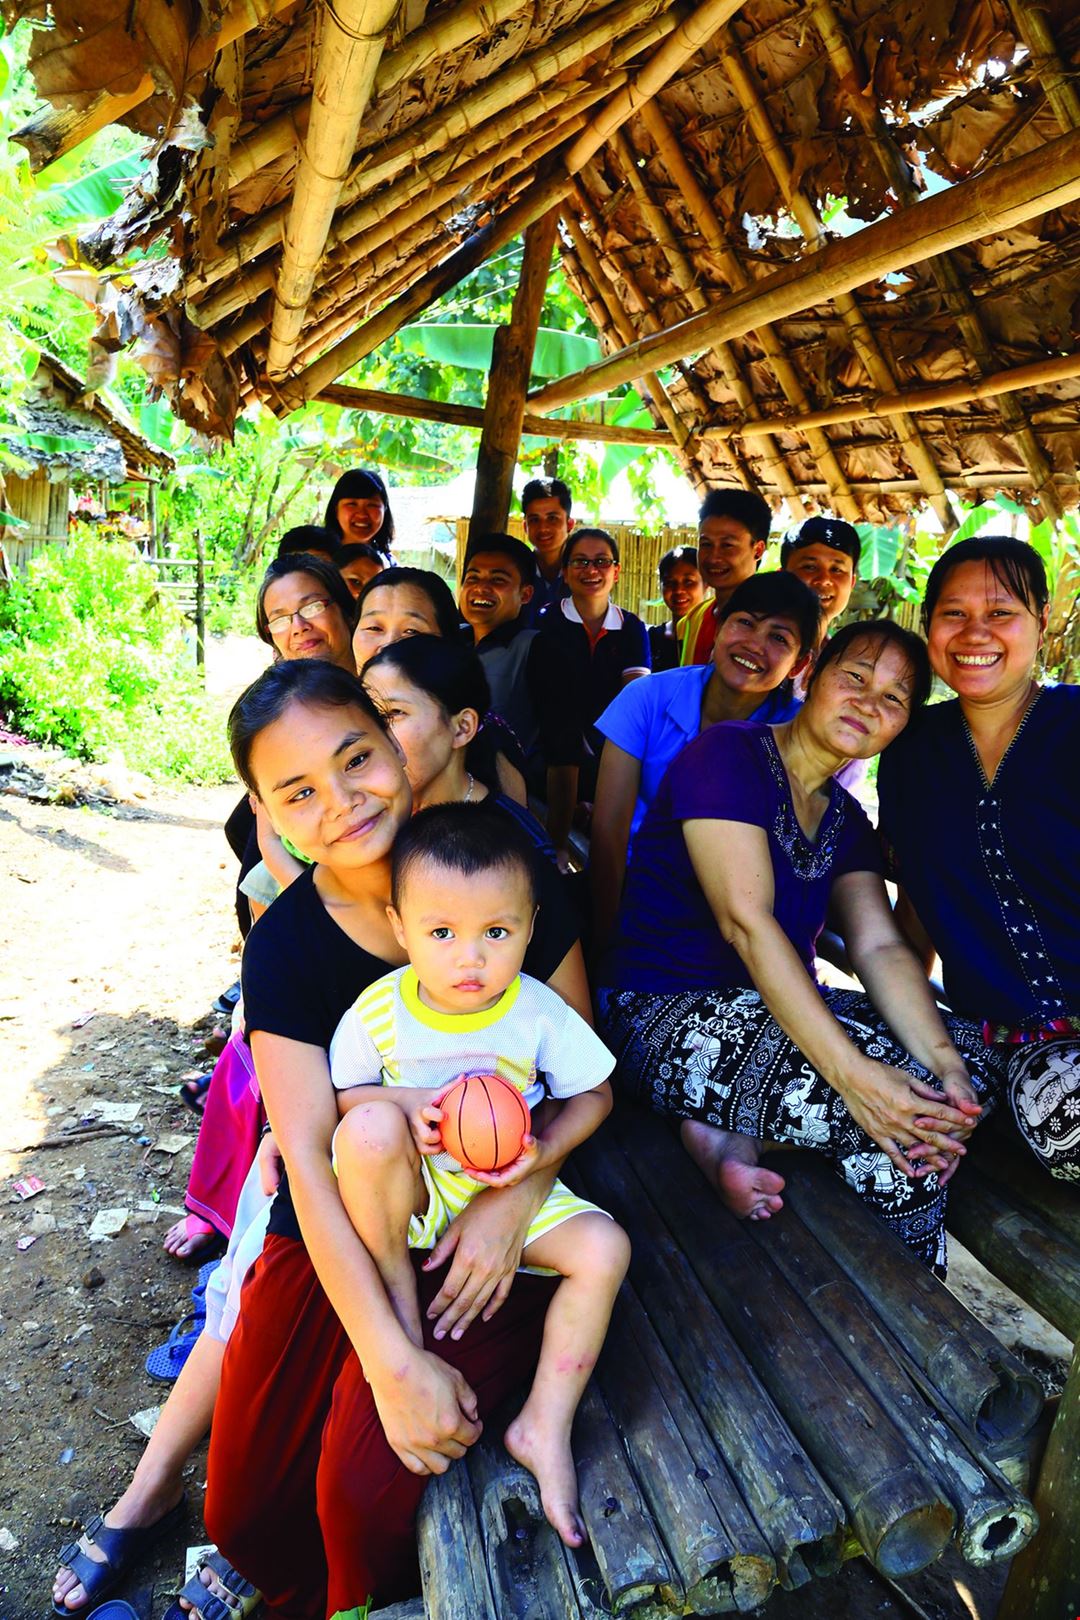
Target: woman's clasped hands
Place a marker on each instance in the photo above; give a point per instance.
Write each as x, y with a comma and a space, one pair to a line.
921, 1127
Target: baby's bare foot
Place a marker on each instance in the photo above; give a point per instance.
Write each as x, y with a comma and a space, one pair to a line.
548, 1458
731, 1163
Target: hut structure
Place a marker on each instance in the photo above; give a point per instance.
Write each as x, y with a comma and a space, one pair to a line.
836, 245
76, 442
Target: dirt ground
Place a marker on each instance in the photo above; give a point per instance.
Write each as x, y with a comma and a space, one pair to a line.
127, 914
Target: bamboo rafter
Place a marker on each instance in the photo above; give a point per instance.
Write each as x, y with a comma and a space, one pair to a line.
809, 222
945, 273
471, 416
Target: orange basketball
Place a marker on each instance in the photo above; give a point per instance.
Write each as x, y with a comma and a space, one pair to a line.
485, 1120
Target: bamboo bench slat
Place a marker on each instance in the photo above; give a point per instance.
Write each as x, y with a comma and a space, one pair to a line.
1020, 1248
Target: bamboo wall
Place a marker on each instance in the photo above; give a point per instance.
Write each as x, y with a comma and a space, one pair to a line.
42, 505
639, 553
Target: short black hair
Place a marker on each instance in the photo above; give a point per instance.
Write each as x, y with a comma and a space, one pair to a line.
433, 586
822, 531
312, 681
751, 510
360, 551
671, 559
303, 562
780, 594
465, 838
547, 489
308, 537
883, 633
516, 551
1015, 565
362, 483
587, 534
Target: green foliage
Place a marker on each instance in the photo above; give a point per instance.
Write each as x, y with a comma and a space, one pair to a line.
93, 660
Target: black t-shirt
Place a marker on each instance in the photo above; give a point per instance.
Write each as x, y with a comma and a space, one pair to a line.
301, 972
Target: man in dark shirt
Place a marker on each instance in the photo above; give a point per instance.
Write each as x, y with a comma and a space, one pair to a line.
497, 584
546, 507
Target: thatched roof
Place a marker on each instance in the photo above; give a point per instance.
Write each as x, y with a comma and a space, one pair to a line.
316, 168
78, 435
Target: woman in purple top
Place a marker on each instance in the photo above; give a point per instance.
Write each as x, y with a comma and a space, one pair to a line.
709, 999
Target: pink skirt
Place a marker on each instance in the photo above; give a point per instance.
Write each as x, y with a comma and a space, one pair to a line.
232, 1123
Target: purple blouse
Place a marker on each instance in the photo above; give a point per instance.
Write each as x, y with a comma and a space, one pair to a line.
667, 938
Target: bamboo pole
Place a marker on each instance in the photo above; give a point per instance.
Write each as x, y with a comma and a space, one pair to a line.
1044, 1581
853, 84
1009, 195
508, 383
809, 221
54, 131
518, 83
449, 32
701, 210
472, 416
686, 280
354, 34
542, 195
1057, 80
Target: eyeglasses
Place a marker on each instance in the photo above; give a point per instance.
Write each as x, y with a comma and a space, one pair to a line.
282, 622
601, 564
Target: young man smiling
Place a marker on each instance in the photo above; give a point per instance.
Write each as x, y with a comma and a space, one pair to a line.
824, 552
733, 527
497, 583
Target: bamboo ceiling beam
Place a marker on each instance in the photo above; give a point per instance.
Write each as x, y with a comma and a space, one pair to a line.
53, 131
354, 35
471, 416
517, 84
995, 201
449, 32
1040, 373
894, 166
809, 221
686, 279
1057, 80
701, 210
677, 49
423, 189
623, 327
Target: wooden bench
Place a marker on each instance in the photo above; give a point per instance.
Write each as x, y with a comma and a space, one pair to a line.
768, 1404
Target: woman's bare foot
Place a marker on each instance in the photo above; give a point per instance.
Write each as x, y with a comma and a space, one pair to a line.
730, 1161
189, 1237
548, 1458
238, 1595
133, 1514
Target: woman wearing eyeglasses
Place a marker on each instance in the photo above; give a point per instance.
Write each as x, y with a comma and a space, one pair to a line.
585, 652
305, 610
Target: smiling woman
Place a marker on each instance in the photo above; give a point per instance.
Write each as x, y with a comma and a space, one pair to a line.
358, 511
304, 610
709, 999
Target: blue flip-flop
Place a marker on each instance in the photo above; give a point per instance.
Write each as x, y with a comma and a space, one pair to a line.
166, 1360
198, 1293
115, 1609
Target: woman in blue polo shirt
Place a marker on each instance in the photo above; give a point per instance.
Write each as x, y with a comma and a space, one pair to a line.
586, 650
767, 631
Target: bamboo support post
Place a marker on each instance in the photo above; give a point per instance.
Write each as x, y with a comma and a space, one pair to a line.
797, 1513
897, 1512
49, 134
449, 32
516, 84
1005, 196
957, 1358
508, 383
686, 280
994, 1520
1044, 1581
809, 222
1017, 1246
1039, 373
945, 273
544, 194
353, 37
700, 208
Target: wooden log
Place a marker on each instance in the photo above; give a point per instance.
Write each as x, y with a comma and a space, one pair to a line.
1008, 195
433, 410
508, 383
411, 1609
1018, 1247
1044, 1581
998, 1153
994, 1519
720, 1554
633, 1563
990, 1389
352, 38
897, 1512
526, 1561
797, 1513
453, 1573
